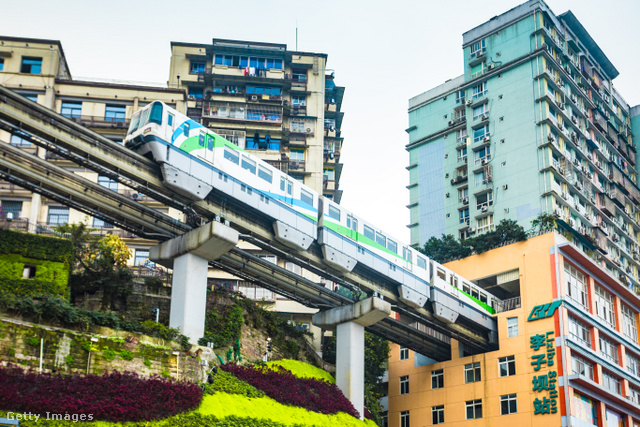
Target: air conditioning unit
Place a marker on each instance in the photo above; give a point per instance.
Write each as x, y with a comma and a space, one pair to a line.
561, 105
598, 165
465, 201
550, 138
560, 126
588, 216
593, 200
505, 186
483, 162
487, 139
571, 222
484, 209
576, 162
467, 222
295, 164
472, 230
589, 176
254, 97
615, 238
490, 66
484, 117
561, 170
582, 230
308, 130
563, 195
451, 122
574, 119
469, 101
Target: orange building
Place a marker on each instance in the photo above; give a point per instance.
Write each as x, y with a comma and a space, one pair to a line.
568, 348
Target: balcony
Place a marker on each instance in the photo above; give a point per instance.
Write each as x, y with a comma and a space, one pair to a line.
242, 112
459, 179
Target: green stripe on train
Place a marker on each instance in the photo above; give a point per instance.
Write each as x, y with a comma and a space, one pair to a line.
192, 143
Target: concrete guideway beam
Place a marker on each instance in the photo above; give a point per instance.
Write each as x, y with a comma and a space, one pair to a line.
350, 321
189, 256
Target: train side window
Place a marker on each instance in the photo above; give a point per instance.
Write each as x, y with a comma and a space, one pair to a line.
466, 288
406, 254
265, 174
381, 240
289, 188
210, 141
170, 121
306, 197
186, 129
392, 246
334, 213
422, 263
201, 139
453, 280
352, 223
282, 181
231, 155
369, 233
441, 275
248, 164
483, 297
475, 294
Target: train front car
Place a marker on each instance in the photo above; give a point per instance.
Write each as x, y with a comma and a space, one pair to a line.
172, 140
347, 240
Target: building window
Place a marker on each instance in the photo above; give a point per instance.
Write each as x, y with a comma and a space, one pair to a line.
107, 182
629, 327
197, 67
474, 409
581, 367
296, 154
482, 155
437, 379
611, 383
479, 90
142, 256
58, 215
299, 75
266, 143
604, 306
512, 327
464, 215
481, 133
507, 366
634, 396
115, 113
437, 414
196, 93
508, 404
329, 174
576, 286
633, 364
31, 65
16, 141
472, 372
463, 194
478, 48
461, 134
299, 101
1, 64
404, 353
11, 209
608, 349
404, 384
460, 97
99, 223
480, 111
484, 224
71, 109
579, 331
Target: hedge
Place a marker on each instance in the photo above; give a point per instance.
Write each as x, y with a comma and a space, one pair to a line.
36, 246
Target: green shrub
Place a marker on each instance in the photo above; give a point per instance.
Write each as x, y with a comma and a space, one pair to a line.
33, 341
36, 246
147, 363
126, 355
108, 353
69, 360
12, 352
227, 383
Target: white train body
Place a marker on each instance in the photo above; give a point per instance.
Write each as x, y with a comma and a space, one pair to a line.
195, 161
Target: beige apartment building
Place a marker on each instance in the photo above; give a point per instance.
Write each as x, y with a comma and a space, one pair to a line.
281, 105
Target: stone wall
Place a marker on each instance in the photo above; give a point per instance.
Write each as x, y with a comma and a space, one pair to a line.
105, 350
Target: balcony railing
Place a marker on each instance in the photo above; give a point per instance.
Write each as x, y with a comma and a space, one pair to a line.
508, 304
101, 122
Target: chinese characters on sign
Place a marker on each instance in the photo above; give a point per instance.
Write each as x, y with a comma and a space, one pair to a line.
544, 383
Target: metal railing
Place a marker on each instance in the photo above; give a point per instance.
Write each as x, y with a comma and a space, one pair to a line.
508, 304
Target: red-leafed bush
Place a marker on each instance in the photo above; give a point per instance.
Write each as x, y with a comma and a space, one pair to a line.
110, 397
282, 386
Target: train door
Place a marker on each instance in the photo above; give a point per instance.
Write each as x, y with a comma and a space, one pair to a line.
407, 256
170, 127
352, 225
286, 187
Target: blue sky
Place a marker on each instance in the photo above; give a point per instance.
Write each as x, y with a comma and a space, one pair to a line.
382, 52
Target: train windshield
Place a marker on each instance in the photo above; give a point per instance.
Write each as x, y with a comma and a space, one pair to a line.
146, 115
135, 120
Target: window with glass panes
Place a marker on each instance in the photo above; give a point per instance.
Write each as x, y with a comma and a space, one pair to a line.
16, 141
141, 256
608, 349
461, 134
464, 215
71, 109
462, 154
507, 366
604, 306
115, 113
629, 327
437, 379
581, 367
437, 414
473, 409
404, 353
512, 327
11, 209
472, 372
404, 419
485, 223
576, 286
611, 382
463, 193
633, 364
107, 182
404, 384
58, 215
296, 154
579, 331
508, 404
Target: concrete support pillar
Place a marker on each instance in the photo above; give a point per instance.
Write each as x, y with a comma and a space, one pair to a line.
350, 321
189, 295
189, 255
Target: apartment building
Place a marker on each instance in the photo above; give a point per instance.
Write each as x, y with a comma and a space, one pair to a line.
568, 348
534, 125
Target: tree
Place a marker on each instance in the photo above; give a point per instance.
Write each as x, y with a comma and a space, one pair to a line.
99, 265
544, 221
446, 248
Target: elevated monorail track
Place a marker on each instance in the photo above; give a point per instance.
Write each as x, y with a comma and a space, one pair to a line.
417, 328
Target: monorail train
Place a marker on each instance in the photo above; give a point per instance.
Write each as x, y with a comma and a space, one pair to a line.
194, 161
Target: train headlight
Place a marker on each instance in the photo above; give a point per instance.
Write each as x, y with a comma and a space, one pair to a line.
146, 131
